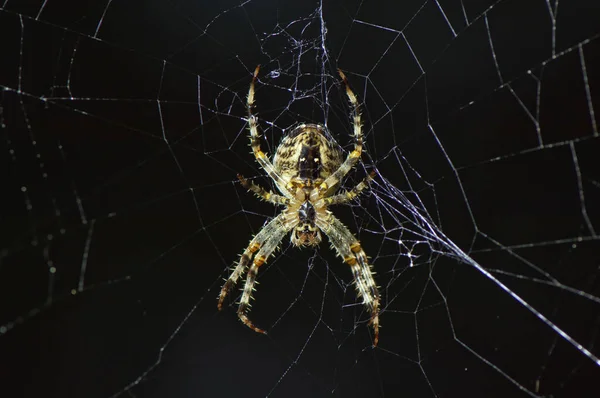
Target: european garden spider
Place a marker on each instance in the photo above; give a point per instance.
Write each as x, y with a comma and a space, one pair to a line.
307, 169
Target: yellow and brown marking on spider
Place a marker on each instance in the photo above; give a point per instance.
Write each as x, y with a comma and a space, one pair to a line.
307, 169
350, 260
259, 260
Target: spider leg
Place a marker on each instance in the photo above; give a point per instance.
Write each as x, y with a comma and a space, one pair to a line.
262, 193
347, 196
260, 156
255, 244
260, 247
239, 269
350, 250
353, 156
268, 247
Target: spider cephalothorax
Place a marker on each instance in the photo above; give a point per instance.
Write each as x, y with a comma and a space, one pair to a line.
307, 169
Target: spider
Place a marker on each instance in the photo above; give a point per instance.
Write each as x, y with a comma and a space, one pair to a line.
307, 169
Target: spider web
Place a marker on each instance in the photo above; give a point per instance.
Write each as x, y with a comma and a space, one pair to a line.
123, 127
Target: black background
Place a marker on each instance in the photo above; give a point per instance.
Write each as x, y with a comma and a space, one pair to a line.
123, 129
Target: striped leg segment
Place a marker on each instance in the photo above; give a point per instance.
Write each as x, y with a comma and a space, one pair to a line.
245, 259
350, 250
259, 249
347, 196
262, 193
244, 306
260, 156
353, 156
269, 246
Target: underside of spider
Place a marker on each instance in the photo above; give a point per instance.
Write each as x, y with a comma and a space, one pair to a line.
307, 170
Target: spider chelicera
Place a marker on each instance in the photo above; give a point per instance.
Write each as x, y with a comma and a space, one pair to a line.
307, 169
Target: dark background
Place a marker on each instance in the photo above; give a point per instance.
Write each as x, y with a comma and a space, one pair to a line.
122, 130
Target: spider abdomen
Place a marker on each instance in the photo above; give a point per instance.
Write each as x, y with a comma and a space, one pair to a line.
307, 153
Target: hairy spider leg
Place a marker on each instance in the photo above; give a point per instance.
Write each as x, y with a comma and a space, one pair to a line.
260, 258
260, 156
260, 247
347, 196
247, 255
353, 156
348, 247
262, 193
